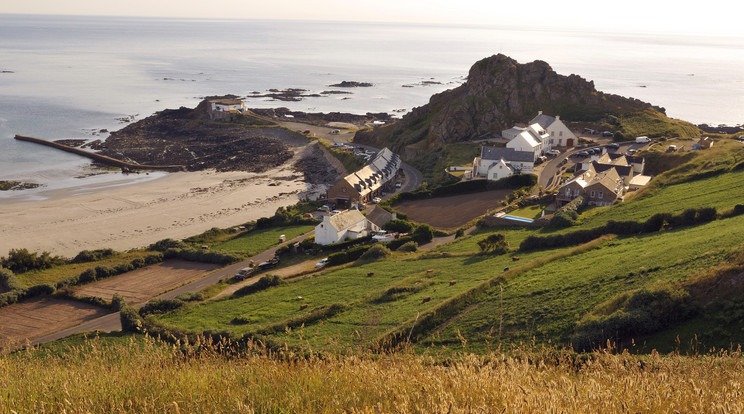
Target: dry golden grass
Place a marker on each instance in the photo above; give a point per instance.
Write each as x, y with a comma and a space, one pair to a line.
149, 376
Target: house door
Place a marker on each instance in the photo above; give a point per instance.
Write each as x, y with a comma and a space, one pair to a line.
569, 142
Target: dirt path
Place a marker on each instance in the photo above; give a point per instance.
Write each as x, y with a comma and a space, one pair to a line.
40, 317
141, 285
284, 272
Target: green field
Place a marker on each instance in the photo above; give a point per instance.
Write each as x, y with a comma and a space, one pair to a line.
58, 273
546, 302
256, 241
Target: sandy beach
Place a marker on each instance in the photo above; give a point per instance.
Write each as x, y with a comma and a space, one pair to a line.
177, 205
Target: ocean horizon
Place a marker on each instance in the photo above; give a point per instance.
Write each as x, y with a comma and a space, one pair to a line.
65, 77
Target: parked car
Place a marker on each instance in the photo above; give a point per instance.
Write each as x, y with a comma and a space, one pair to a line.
324, 208
383, 236
322, 262
613, 145
631, 151
334, 212
607, 134
642, 140
554, 152
376, 200
244, 273
398, 185
583, 154
335, 131
269, 263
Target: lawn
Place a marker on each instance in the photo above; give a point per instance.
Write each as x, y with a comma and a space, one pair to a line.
256, 241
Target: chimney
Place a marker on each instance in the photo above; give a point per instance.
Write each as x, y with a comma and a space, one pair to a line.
539, 112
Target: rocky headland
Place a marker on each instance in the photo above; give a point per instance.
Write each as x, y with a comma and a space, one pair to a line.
499, 93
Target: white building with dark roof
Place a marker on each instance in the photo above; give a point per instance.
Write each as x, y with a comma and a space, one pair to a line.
558, 133
495, 163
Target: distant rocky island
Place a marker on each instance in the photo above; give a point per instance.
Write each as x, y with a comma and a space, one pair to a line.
351, 84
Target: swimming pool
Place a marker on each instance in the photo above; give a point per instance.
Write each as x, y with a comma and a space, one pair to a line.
515, 218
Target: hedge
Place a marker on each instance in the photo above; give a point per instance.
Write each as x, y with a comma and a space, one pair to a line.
345, 244
131, 321
263, 283
306, 319
655, 223
347, 256
102, 272
197, 255
160, 306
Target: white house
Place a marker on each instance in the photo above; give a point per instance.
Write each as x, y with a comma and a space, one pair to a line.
227, 105
496, 163
526, 141
349, 224
558, 133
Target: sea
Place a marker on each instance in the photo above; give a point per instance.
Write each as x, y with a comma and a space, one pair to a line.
75, 77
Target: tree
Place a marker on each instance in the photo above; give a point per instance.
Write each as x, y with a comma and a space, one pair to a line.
495, 244
423, 234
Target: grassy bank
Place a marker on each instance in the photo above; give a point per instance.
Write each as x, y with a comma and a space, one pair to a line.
146, 376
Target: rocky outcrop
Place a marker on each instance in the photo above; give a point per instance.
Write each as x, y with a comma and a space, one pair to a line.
499, 93
188, 137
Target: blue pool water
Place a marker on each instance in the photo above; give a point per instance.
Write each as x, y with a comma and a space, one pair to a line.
515, 218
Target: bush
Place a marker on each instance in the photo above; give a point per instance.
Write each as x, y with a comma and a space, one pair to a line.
160, 306
411, 246
131, 321
400, 241
87, 276
190, 297
9, 281
423, 234
398, 226
263, 283
117, 302
494, 243
378, 251
563, 219
92, 255
103, 272
138, 262
166, 244
459, 233
41, 289
198, 255
348, 256
21, 261
345, 244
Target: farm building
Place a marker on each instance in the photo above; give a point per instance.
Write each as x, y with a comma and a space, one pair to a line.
348, 224
378, 217
368, 182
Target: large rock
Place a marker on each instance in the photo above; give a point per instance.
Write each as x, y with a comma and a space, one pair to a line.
499, 93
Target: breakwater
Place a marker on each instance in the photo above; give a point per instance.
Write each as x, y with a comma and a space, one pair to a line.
125, 166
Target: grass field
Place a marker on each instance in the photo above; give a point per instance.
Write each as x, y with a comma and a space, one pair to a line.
58, 273
546, 302
256, 241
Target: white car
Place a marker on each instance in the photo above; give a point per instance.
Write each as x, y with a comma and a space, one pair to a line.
322, 262
554, 152
376, 200
334, 212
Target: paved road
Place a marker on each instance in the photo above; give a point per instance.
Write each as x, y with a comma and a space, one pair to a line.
112, 322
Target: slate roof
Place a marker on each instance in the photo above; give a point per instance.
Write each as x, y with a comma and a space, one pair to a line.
379, 216
544, 120
508, 154
376, 173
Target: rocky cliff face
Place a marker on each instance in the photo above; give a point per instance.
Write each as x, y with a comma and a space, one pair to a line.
499, 93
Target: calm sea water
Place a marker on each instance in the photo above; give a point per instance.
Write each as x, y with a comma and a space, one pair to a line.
69, 77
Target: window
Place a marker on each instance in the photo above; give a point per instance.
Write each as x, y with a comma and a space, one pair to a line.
600, 194
568, 192
552, 133
560, 133
592, 193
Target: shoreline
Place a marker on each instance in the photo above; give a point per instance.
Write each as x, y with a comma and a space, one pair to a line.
134, 215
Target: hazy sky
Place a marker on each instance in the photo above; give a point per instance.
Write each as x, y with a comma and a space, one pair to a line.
711, 16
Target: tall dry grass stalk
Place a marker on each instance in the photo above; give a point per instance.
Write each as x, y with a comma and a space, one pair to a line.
149, 376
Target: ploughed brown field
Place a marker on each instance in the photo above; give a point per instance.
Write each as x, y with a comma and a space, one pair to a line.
141, 285
40, 317
449, 213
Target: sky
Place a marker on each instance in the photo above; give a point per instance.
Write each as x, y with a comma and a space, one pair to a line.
711, 16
